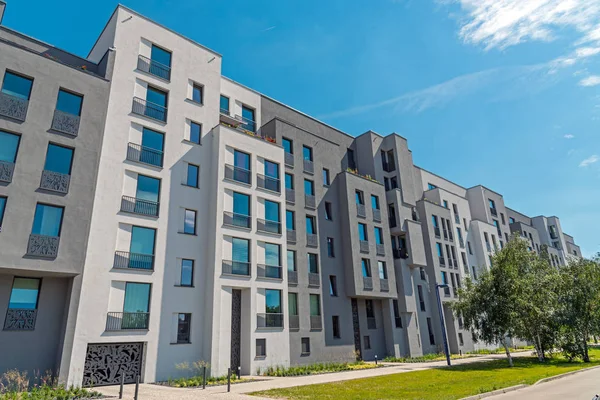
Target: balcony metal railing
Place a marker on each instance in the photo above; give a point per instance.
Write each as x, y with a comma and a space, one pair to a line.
292, 277
309, 167
269, 320
6, 171
360, 210
290, 196
134, 205
312, 240
144, 155
436, 231
65, 123
13, 107
294, 322
149, 109
310, 201
269, 271
125, 260
367, 283
230, 267
117, 321
442, 261
154, 68
316, 323
238, 174
43, 246
247, 124
314, 279
289, 159
364, 246
55, 181
376, 215
268, 183
371, 323
237, 220
380, 249
384, 285
400, 253
20, 319
291, 236
268, 226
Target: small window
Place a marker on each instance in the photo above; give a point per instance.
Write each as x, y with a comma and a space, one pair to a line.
333, 286
195, 132
366, 267
469, 247
288, 145
367, 342
309, 187
374, 202
69, 103
511, 220
224, 104
24, 294
183, 328
460, 339
3, 201
378, 235
362, 232
328, 211
430, 330
359, 197
187, 273
289, 181
305, 346
335, 322
290, 220
326, 181
397, 318
330, 247
197, 93
422, 273
421, 299
431, 186
189, 223
445, 202
502, 219
311, 226
313, 263
382, 270
307, 153
261, 348
192, 175
351, 159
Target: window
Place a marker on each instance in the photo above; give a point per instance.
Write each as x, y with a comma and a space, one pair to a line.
69, 103
351, 159
289, 181
434, 220
330, 248
421, 298
17, 85
137, 302
271, 211
333, 286
189, 222
459, 236
240, 254
430, 330
445, 202
328, 211
511, 220
366, 267
241, 160
394, 182
273, 301
382, 270
506, 237
313, 263
224, 104
315, 305
288, 145
463, 255
2, 208
148, 191
474, 273
378, 235
261, 348
492, 203
47, 220
24, 294
431, 186
193, 173
335, 323
195, 132
465, 223
370, 310
440, 252
59, 159
248, 118
360, 197
241, 209
160, 55
152, 148
9, 144
293, 303
187, 273
422, 273
291, 260
307, 153
502, 219
362, 232
197, 93
157, 97
309, 187
142, 243
273, 259
326, 181
367, 341
290, 220
183, 328
469, 247
374, 202
305, 342
311, 225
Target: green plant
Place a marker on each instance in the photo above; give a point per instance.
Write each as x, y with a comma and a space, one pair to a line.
318, 368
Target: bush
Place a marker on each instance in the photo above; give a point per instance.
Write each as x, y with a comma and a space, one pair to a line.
319, 368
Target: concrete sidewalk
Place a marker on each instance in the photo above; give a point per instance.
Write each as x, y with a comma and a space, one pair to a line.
157, 392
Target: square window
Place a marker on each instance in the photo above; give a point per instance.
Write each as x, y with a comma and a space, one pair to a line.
197, 93
335, 322
305, 345
195, 132
187, 273
17, 85
189, 223
193, 173
261, 348
183, 328
69, 103
47, 220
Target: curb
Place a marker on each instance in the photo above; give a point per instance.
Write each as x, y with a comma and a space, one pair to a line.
551, 378
495, 392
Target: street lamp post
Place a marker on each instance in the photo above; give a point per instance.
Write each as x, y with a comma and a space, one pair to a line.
439, 301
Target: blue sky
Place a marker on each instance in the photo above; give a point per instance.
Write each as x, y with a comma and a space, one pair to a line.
504, 93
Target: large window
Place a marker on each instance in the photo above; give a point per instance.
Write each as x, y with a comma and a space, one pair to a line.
249, 118
271, 211
241, 160
273, 301
9, 144
271, 176
241, 206
69, 103
293, 303
157, 97
24, 294
17, 85
240, 254
142, 244
136, 305
272, 254
313, 263
152, 147
193, 174
160, 55
195, 132
47, 220
187, 273
148, 188
183, 327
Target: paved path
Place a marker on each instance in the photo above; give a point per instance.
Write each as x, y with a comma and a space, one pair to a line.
581, 386
157, 392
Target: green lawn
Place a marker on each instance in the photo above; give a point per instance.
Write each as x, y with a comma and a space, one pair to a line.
441, 383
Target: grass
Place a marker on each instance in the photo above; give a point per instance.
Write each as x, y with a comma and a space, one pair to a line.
426, 358
439, 383
319, 368
196, 381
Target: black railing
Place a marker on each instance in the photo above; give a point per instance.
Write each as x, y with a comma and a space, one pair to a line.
401, 253
144, 155
238, 174
117, 321
268, 226
269, 271
148, 109
269, 320
239, 220
125, 260
268, 183
139, 206
154, 67
236, 268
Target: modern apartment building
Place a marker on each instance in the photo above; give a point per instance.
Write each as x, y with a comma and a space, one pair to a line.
218, 224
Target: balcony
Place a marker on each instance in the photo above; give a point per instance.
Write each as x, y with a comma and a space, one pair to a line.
247, 124
367, 283
316, 323
309, 167
134, 205
380, 249
268, 226
125, 260
442, 261
144, 155
310, 201
291, 236
20, 319
55, 181
237, 220
400, 253
371, 323
268, 183
118, 321
392, 221
290, 196
148, 109
153, 67
228, 119
289, 159
360, 210
376, 215
269, 271
6, 171
13, 107
241, 268
436, 231
312, 240
494, 212
65, 123
384, 285
292, 277
364, 246
43, 246
294, 323
238, 174
269, 320
314, 280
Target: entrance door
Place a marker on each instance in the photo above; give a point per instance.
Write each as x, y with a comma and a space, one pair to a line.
106, 363
236, 329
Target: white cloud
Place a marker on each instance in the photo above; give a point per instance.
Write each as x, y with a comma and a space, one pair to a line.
569, 136
590, 160
269, 28
591, 80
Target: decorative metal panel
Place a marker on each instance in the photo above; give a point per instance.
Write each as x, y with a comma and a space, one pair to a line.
294, 322
13, 107
316, 323
364, 246
65, 123
43, 246
314, 279
105, 364
19, 319
312, 240
55, 181
309, 167
360, 210
356, 328
236, 328
376, 215
292, 277
367, 283
380, 249
310, 201
291, 236
290, 195
6, 171
384, 285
